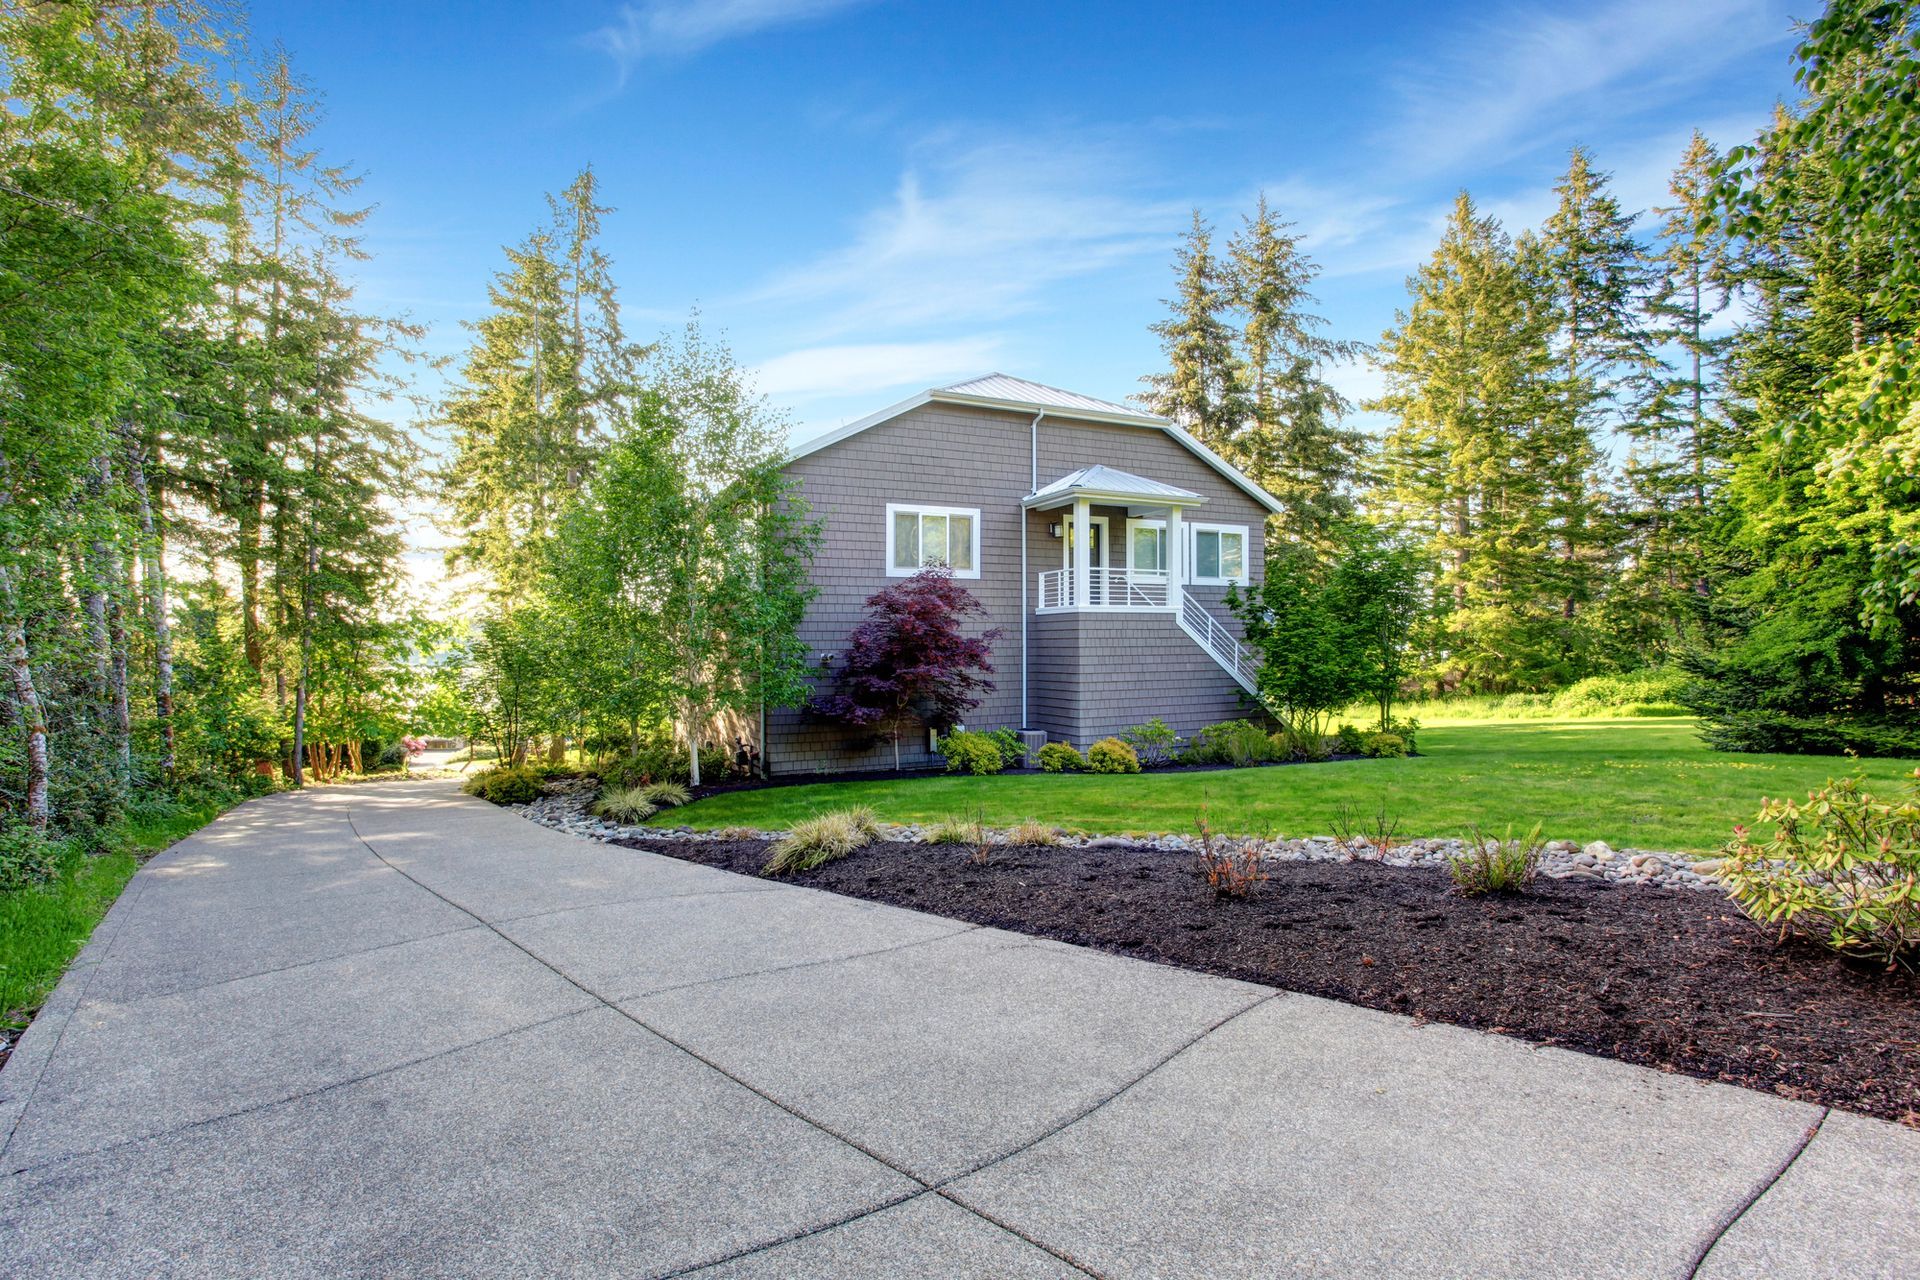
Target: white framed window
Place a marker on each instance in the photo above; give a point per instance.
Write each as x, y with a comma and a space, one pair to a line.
1146, 546
1217, 554
919, 537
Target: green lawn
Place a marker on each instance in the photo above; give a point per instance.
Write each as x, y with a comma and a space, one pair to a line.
1638, 783
42, 929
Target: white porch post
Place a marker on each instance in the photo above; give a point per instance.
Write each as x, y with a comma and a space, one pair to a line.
1082, 553
1176, 558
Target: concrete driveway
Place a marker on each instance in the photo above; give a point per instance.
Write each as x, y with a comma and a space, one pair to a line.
392, 1031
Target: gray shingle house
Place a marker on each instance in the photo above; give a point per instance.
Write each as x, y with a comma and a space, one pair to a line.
1100, 539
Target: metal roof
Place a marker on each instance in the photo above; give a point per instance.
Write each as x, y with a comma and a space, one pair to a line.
1004, 389
1109, 482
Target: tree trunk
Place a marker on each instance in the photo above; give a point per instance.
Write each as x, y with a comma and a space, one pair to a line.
248, 554
33, 719
154, 572
693, 750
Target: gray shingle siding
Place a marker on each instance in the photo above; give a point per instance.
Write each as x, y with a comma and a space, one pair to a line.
1088, 672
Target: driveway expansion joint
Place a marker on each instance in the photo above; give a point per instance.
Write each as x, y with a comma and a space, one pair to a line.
269, 1104
1759, 1194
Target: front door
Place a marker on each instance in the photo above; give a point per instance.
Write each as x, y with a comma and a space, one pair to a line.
1096, 559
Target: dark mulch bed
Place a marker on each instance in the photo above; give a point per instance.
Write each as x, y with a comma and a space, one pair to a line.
704, 790
1673, 979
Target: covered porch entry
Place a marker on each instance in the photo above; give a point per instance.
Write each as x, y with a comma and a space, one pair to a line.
1139, 566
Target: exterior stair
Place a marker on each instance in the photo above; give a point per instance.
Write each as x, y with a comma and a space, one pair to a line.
1220, 644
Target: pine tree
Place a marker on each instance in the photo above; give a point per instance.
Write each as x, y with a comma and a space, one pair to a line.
1203, 388
1590, 265
548, 377
1680, 436
1471, 465
1293, 444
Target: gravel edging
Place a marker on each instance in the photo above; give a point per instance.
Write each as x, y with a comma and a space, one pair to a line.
564, 808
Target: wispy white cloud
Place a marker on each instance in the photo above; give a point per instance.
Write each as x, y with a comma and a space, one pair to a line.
982, 230
864, 368
1517, 75
676, 28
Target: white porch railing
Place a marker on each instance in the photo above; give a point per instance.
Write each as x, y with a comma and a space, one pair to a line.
1106, 589
1221, 644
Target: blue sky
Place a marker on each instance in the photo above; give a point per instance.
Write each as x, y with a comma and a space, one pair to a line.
872, 197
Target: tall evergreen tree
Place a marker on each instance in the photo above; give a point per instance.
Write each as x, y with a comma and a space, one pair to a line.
549, 376
1472, 462
1203, 388
1292, 443
1590, 266
1680, 436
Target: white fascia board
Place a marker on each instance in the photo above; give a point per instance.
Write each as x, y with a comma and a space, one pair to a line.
1050, 410
1049, 501
855, 427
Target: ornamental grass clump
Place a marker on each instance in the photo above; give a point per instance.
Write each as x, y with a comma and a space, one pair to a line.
1842, 869
949, 831
625, 805
1492, 865
816, 841
665, 795
1035, 833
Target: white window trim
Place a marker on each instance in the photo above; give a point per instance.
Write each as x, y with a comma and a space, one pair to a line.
1193, 559
927, 509
1161, 525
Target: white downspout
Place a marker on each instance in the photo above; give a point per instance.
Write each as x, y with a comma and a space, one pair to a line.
1033, 484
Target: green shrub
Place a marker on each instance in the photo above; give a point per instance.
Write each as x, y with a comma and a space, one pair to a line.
1629, 692
1153, 742
625, 805
28, 858
816, 841
1349, 740
1407, 728
1235, 742
665, 795
1012, 750
950, 831
1842, 869
664, 760
512, 784
1806, 735
1384, 746
1110, 755
1061, 757
1496, 866
974, 753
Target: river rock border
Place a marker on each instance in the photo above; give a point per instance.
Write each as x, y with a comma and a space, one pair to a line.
564, 808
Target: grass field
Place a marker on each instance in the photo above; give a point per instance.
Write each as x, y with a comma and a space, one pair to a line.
42, 929
1646, 783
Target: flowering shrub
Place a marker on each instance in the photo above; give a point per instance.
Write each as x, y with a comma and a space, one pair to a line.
1842, 869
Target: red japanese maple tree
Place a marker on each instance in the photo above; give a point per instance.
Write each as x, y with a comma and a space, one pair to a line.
911, 662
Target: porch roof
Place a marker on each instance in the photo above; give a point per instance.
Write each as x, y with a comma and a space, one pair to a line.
1108, 484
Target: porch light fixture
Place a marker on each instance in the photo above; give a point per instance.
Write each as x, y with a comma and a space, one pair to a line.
1053, 530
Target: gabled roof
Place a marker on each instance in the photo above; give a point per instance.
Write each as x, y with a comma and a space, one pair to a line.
1002, 391
1109, 482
